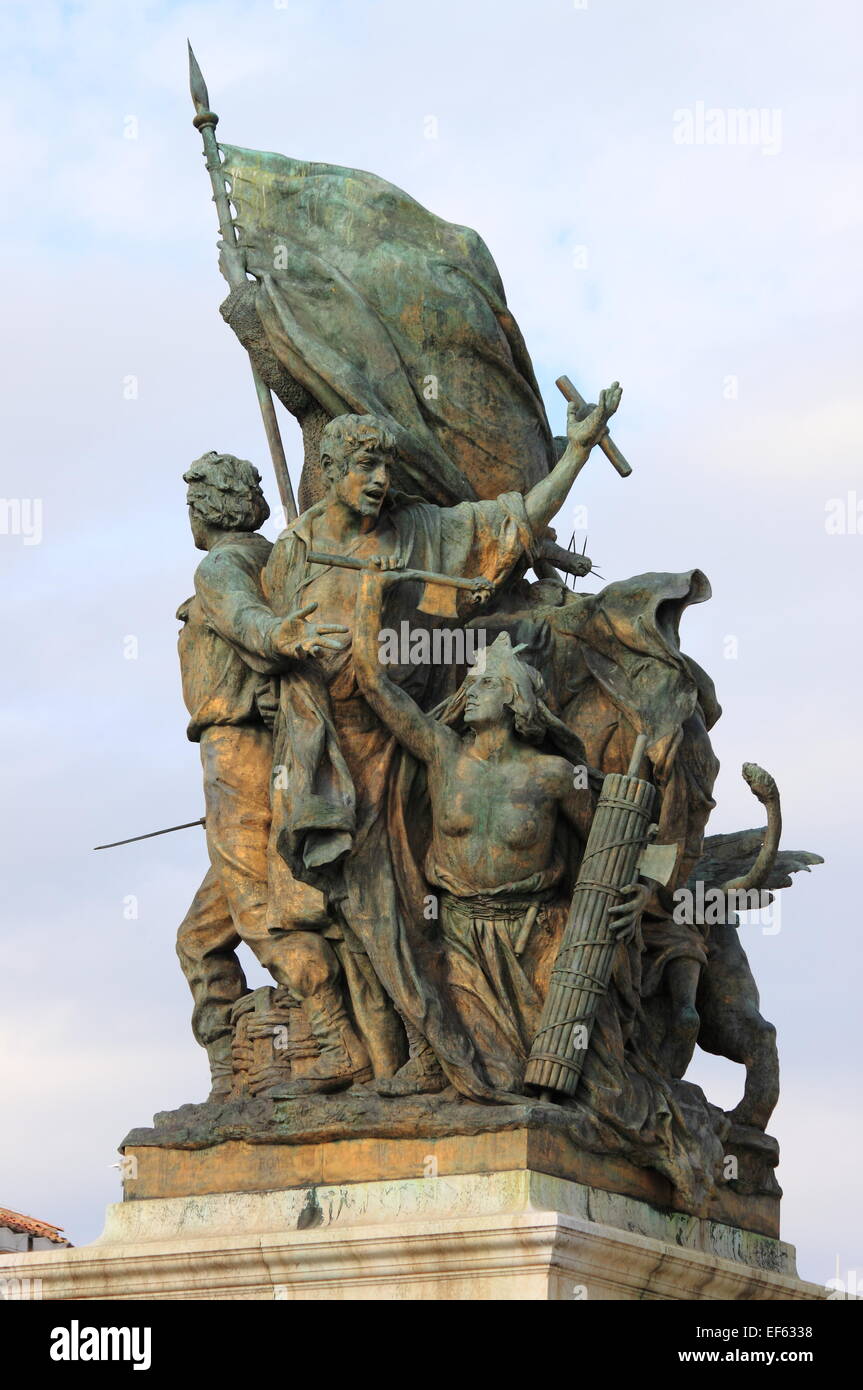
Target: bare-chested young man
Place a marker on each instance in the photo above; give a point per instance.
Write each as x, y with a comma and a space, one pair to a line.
496, 798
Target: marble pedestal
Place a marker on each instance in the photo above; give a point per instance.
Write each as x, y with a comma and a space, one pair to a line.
515, 1235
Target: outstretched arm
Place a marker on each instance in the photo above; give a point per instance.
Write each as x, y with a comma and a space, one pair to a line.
420, 734
547, 497
234, 607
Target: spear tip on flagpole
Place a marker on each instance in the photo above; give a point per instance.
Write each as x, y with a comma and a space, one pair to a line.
206, 121
197, 85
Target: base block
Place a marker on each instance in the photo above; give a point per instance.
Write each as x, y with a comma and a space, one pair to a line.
266, 1145
516, 1235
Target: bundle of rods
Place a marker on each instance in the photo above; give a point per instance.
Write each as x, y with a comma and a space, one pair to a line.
582, 971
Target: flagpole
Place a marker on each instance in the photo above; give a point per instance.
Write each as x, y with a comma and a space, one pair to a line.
206, 121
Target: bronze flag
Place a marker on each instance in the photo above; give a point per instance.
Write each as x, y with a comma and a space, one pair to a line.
379, 307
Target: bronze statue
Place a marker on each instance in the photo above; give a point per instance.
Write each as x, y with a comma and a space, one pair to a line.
400, 838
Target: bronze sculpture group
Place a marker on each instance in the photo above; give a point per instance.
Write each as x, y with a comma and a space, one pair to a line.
399, 840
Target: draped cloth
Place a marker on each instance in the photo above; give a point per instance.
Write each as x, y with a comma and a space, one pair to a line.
377, 306
490, 988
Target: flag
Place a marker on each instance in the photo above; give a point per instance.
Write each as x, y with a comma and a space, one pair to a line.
379, 307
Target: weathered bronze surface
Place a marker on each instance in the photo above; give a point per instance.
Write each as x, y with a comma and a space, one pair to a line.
404, 737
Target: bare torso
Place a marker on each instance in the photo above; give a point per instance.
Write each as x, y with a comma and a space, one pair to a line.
494, 819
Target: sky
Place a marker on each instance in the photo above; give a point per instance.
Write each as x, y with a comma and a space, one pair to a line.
642, 235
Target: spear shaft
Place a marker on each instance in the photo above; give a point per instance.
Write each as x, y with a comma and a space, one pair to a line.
151, 834
206, 121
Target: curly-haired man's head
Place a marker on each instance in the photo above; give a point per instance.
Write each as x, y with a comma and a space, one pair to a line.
224, 494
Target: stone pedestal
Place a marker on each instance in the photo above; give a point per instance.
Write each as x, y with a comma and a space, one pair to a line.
516, 1235
438, 1200
262, 1145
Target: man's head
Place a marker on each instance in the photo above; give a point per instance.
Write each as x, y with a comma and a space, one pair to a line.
224, 494
501, 688
356, 454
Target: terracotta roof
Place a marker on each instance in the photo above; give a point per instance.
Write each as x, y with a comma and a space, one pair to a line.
28, 1225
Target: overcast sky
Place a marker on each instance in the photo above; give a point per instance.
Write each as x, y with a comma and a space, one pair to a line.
591, 146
